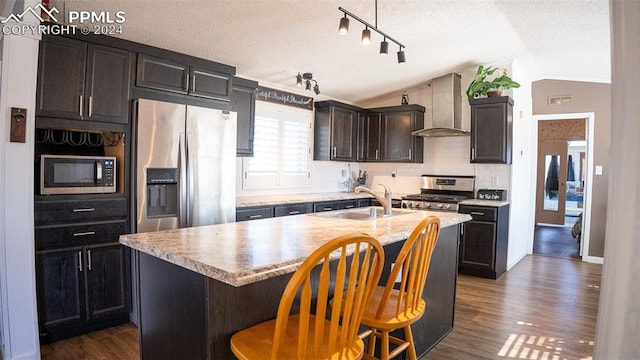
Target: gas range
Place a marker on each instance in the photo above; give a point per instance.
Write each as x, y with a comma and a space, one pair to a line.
440, 193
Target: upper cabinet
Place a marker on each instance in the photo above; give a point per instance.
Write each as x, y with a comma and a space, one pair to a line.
335, 131
244, 104
181, 77
82, 81
392, 141
491, 130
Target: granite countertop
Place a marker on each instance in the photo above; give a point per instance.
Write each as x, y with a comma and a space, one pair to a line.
264, 200
245, 252
491, 203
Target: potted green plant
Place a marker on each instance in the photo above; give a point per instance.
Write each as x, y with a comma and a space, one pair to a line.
481, 86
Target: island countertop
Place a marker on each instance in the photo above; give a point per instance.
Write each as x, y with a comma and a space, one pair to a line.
242, 253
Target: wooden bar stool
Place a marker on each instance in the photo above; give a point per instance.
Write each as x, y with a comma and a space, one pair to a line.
317, 332
397, 307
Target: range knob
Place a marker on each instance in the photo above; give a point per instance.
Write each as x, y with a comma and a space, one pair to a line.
447, 206
439, 206
427, 205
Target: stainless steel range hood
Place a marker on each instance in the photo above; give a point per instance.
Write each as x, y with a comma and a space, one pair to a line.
446, 107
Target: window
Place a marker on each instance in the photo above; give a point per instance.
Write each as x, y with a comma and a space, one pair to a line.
281, 151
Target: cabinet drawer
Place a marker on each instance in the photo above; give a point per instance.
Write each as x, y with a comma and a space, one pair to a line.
254, 213
74, 211
291, 209
348, 204
364, 202
480, 213
326, 206
51, 237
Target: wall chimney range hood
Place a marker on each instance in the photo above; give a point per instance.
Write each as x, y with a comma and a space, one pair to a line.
446, 108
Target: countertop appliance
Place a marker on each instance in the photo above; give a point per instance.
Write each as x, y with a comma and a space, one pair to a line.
73, 174
440, 193
185, 166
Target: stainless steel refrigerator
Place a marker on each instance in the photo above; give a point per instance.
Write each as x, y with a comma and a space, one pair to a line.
185, 166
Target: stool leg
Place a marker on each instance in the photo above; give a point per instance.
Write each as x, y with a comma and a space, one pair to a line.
384, 346
371, 348
408, 336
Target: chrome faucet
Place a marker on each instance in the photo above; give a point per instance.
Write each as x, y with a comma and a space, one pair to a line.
386, 201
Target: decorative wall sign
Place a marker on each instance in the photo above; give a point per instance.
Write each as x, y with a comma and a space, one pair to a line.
284, 98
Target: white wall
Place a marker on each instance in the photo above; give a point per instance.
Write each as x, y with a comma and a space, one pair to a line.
17, 254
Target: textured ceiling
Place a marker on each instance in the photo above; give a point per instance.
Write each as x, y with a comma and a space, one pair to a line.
271, 41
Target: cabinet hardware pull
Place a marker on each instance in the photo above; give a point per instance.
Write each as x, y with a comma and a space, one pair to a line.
186, 79
349, 206
81, 105
80, 261
84, 210
409, 153
90, 105
89, 259
335, 150
473, 153
294, 212
193, 83
376, 154
327, 209
477, 213
84, 233
255, 216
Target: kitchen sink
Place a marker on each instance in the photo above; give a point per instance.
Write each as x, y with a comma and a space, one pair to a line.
364, 213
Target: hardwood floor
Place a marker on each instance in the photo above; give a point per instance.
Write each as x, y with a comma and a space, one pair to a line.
555, 241
116, 343
543, 308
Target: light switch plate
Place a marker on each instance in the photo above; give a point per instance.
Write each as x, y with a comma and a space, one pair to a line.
598, 169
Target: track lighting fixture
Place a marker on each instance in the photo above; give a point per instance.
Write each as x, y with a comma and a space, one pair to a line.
366, 33
308, 78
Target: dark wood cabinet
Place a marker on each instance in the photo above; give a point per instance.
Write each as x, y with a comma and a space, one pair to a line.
276, 210
491, 130
335, 131
244, 104
385, 134
82, 272
82, 81
369, 137
484, 241
180, 77
292, 209
254, 213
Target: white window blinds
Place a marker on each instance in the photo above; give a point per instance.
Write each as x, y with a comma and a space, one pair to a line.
281, 150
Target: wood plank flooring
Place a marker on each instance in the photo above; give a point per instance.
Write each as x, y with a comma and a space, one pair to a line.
555, 241
543, 308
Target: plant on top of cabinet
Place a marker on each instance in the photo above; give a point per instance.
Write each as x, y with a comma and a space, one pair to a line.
480, 86
83, 81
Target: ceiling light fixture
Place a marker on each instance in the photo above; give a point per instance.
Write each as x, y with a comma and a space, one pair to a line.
366, 33
308, 78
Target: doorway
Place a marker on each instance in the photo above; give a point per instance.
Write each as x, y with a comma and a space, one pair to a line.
560, 184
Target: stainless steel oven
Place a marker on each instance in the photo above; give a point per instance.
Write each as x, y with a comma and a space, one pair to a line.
72, 174
440, 193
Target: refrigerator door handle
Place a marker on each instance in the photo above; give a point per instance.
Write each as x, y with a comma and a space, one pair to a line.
182, 181
191, 186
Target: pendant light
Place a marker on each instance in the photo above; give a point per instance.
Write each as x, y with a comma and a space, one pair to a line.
366, 33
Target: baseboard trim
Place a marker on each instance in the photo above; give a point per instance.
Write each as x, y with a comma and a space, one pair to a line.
514, 263
595, 260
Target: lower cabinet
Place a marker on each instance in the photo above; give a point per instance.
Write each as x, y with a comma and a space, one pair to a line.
269, 211
484, 241
78, 286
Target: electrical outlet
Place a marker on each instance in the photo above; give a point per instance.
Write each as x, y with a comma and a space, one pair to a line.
393, 173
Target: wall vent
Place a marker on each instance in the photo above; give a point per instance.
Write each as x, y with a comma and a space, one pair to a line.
560, 100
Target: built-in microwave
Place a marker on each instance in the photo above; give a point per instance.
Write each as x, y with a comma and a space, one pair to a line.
71, 174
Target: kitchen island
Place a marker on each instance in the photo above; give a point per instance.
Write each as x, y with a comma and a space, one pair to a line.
197, 286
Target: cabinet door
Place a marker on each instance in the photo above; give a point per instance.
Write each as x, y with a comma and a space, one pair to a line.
371, 137
344, 127
61, 78
107, 85
478, 245
397, 141
105, 280
59, 287
244, 104
162, 74
490, 133
209, 84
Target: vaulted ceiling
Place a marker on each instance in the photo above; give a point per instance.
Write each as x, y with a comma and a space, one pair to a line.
272, 40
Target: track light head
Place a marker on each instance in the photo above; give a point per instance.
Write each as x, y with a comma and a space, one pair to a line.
384, 47
401, 57
366, 36
308, 85
299, 80
343, 29
316, 89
